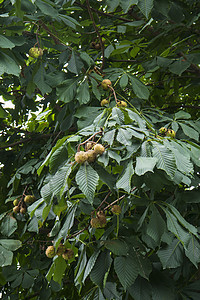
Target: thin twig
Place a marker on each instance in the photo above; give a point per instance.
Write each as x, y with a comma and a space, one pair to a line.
22, 141
114, 94
99, 132
97, 32
120, 198
77, 233
104, 200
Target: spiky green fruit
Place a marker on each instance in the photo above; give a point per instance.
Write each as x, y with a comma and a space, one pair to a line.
15, 202
105, 84
116, 209
171, 133
91, 155
89, 146
121, 104
29, 199
162, 130
16, 209
99, 149
61, 249
81, 157
23, 210
35, 52
69, 253
50, 252
104, 102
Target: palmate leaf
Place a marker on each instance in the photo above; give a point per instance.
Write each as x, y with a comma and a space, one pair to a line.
165, 159
156, 226
87, 180
143, 264
176, 228
118, 247
101, 267
171, 256
90, 264
145, 164
66, 92
192, 251
124, 181
126, 269
140, 290
145, 6
182, 157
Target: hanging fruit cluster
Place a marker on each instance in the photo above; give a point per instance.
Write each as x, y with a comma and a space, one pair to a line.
167, 132
90, 154
66, 253
20, 206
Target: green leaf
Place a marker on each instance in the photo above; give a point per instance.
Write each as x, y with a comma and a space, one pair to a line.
46, 8
67, 91
179, 66
124, 181
124, 137
87, 180
69, 221
139, 88
189, 131
83, 94
11, 245
126, 4
156, 226
126, 269
8, 226
5, 257
176, 228
6, 43
69, 21
102, 265
171, 256
192, 251
40, 82
123, 81
27, 281
59, 269
112, 4
118, 247
191, 228
75, 64
140, 290
8, 65
165, 159
181, 114
144, 164
90, 264
145, 6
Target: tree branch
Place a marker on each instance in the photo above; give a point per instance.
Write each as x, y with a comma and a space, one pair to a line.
97, 32
22, 141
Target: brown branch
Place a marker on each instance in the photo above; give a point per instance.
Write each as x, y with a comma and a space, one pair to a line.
22, 141
97, 32
104, 13
99, 132
120, 198
55, 38
104, 200
114, 94
77, 233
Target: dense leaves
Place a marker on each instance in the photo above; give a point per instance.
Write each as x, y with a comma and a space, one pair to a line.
147, 164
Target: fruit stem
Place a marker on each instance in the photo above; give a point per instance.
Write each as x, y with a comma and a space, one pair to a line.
117, 226
114, 94
92, 136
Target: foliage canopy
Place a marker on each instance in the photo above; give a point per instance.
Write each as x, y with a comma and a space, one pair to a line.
127, 213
